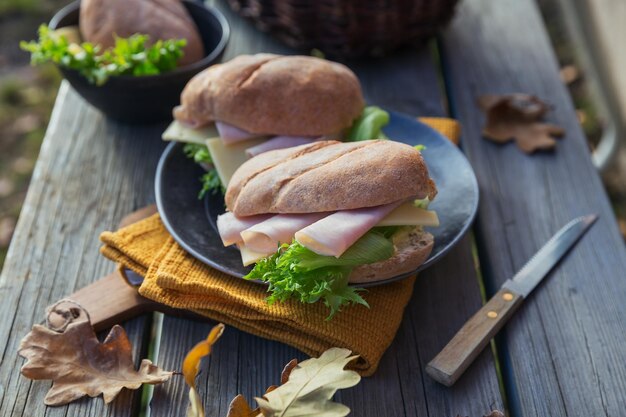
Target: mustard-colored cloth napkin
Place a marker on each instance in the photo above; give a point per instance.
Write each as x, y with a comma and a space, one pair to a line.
175, 278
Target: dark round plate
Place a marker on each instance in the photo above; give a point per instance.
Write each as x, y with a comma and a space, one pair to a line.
192, 221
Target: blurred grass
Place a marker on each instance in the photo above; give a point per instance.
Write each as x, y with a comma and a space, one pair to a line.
26, 98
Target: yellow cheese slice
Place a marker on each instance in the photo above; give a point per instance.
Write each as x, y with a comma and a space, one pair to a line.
176, 132
409, 215
249, 257
227, 159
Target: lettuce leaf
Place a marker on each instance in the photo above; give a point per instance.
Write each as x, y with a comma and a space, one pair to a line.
369, 125
295, 271
210, 180
211, 183
130, 56
199, 153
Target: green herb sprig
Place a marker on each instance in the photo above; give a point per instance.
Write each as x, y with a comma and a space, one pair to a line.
210, 181
129, 56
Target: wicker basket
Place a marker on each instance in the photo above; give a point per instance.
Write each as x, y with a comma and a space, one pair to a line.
348, 28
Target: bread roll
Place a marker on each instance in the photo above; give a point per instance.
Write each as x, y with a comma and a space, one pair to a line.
329, 176
274, 95
100, 20
410, 254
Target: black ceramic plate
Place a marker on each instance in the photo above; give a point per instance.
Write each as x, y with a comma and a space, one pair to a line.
192, 221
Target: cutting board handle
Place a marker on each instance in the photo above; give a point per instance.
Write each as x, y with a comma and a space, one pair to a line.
110, 300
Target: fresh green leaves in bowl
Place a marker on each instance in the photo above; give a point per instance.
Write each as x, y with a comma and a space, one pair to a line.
130, 56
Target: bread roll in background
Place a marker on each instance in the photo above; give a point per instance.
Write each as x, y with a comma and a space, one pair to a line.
274, 94
100, 20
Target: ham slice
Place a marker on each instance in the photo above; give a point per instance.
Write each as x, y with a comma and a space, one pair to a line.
265, 237
230, 226
335, 233
278, 142
231, 134
249, 257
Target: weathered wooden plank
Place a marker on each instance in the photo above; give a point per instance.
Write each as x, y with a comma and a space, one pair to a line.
564, 349
445, 296
90, 173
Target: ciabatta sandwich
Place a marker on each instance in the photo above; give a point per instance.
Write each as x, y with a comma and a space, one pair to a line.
320, 215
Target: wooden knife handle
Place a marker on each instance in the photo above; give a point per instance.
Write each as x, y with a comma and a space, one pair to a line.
459, 353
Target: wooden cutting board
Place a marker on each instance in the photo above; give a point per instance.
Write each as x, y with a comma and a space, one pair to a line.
111, 300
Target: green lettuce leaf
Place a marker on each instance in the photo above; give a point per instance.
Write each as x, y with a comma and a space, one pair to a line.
211, 183
210, 180
129, 56
199, 153
295, 271
369, 125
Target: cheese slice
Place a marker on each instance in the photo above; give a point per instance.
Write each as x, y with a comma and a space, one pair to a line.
227, 159
408, 214
249, 257
177, 132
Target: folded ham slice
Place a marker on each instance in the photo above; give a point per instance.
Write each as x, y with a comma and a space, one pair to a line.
335, 233
230, 226
249, 257
278, 142
265, 237
231, 134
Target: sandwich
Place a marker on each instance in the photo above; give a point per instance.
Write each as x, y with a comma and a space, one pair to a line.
257, 103
316, 217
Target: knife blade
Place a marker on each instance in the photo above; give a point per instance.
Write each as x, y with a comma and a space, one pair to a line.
472, 338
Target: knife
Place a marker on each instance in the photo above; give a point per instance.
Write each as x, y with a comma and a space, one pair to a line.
465, 346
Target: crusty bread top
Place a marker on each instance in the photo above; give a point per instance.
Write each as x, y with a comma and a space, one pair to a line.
100, 20
329, 176
274, 94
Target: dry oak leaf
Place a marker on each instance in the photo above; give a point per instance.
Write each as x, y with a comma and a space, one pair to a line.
308, 392
518, 117
310, 387
239, 407
78, 364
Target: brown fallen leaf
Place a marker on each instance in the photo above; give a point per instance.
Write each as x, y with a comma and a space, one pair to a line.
518, 117
286, 373
239, 407
77, 363
191, 367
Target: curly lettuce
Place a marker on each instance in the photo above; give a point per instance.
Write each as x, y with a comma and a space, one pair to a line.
295, 271
210, 180
129, 56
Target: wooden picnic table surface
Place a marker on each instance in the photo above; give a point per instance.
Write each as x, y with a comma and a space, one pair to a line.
562, 354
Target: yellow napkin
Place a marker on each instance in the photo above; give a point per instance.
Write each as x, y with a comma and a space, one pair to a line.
175, 278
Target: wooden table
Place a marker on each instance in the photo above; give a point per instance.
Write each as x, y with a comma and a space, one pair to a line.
564, 352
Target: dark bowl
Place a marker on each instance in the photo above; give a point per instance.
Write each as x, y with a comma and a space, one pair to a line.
150, 98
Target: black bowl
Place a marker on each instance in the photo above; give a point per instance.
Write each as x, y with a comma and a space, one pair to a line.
150, 98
